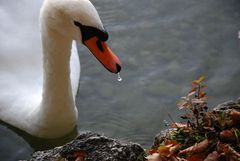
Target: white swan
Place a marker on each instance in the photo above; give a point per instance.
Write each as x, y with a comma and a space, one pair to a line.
43, 104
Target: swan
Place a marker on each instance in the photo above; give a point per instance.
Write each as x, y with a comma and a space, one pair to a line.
38, 97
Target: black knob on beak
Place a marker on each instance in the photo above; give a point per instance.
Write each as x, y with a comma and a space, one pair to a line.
118, 68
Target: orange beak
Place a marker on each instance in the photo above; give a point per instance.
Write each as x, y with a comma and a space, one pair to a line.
104, 54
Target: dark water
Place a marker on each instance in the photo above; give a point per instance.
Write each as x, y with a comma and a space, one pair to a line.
163, 44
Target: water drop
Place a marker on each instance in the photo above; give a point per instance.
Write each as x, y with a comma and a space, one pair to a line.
119, 77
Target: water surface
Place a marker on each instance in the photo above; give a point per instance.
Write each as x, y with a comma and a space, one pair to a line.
163, 44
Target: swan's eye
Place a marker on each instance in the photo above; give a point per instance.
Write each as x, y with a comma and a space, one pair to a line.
77, 24
89, 32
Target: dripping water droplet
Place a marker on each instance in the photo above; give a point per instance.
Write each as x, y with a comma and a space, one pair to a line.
119, 77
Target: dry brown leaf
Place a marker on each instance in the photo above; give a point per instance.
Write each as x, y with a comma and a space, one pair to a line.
180, 159
235, 116
174, 149
212, 156
174, 158
227, 135
154, 157
194, 158
228, 151
196, 148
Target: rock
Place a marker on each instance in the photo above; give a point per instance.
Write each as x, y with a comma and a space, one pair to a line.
92, 147
160, 137
228, 106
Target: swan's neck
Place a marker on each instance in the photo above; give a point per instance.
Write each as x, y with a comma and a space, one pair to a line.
57, 106
57, 91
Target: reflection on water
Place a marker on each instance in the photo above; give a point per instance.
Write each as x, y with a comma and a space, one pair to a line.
39, 143
163, 44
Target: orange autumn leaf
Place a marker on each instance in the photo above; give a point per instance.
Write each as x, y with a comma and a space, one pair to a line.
194, 83
202, 94
170, 147
170, 142
198, 81
193, 90
164, 150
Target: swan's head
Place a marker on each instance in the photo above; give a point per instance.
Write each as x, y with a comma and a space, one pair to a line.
78, 20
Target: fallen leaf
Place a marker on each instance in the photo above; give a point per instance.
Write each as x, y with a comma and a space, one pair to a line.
235, 116
164, 150
196, 148
154, 157
228, 151
194, 158
174, 149
170, 142
227, 135
212, 156
173, 158
152, 151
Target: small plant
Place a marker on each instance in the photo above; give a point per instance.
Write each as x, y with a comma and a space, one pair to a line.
196, 102
204, 135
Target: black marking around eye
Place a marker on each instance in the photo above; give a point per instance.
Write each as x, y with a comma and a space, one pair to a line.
89, 32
